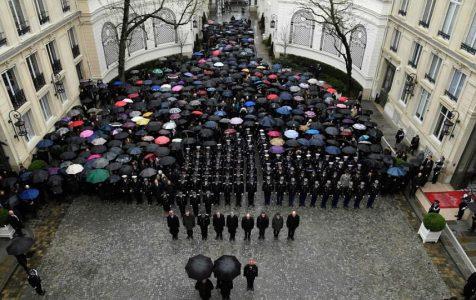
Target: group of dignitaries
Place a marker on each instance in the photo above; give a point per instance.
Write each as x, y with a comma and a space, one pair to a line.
219, 222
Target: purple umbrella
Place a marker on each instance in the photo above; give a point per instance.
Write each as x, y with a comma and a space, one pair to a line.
276, 149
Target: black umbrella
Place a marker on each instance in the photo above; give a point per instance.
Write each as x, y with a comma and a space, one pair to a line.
199, 267
114, 143
39, 176
125, 170
167, 161
114, 166
364, 148
55, 180
99, 149
332, 131
348, 150
226, 268
152, 148
121, 135
20, 245
148, 172
9, 182
67, 155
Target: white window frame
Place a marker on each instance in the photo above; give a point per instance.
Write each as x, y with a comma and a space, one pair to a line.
450, 17
16, 16
72, 37
395, 40
422, 106
31, 66
416, 53
456, 83
404, 6
470, 39
27, 118
442, 117
46, 107
427, 12
434, 67
404, 97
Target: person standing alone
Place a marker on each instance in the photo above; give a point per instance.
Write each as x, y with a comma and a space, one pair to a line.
292, 222
188, 221
250, 271
35, 281
262, 222
173, 224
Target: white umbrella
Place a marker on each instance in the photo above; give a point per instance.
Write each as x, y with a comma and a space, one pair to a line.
175, 110
136, 119
99, 141
294, 88
135, 113
148, 138
359, 126
177, 140
304, 85
62, 130
74, 169
313, 81
127, 100
291, 134
236, 121
320, 83
166, 87
218, 64
169, 125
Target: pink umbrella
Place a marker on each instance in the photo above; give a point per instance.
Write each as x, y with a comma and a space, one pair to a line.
274, 134
86, 133
162, 140
174, 116
340, 105
94, 156
202, 61
310, 114
343, 99
177, 88
216, 52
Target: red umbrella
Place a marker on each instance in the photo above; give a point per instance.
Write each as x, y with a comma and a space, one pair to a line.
343, 99
197, 113
216, 52
139, 82
258, 74
274, 134
76, 123
162, 140
272, 97
202, 93
230, 131
272, 77
346, 132
120, 104
150, 156
133, 95
94, 156
266, 82
331, 90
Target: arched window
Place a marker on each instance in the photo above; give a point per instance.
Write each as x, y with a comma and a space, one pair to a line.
358, 42
110, 43
163, 32
136, 38
302, 28
329, 43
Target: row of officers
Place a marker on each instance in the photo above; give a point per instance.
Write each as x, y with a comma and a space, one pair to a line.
219, 222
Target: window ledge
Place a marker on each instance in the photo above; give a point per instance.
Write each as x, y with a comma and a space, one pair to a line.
469, 49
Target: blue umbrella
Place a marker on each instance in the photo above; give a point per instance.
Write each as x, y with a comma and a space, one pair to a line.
249, 103
316, 142
148, 82
227, 93
304, 142
44, 143
332, 150
277, 67
134, 151
198, 53
267, 122
284, 110
364, 138
211, 124
25, 176
285, 96
312, 131
155, 88
211, 89
197, 82
29, 194
188, 74
117, 83
291, 134
220, 113
396, 172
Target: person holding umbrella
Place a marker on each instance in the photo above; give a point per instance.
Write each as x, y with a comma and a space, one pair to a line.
200, 268
247, 223
15, 222
250, 271
188, 221
204, 288
226, 268
173, 224
292, 223
232, 225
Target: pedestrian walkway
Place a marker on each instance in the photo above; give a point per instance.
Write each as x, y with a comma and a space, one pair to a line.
260, 48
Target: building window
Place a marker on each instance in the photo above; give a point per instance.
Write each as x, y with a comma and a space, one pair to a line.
444, 114
36, 75
395, 40
469, 43
45, 107
30, 129
164, 32
403, 7
54, 58
20, 21
3, 38
434, 68
407, 89
17, 97
110, 43
456, 85
79, 71
41, 12
65, 5
423, 104
62, 94
415, 57
302, 28
450, 19
358, 43
73, 42
427, 13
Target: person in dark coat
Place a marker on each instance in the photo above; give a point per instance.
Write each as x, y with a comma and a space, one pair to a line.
204, 288
437, 169
374, 190
22, 261
194, 201
227, 189
414, 144
225, 288
232, 225
203, 220
469, 289
267, 188
359, 194
137, 189
347, 193
462, 206
262, 222
315, 191
327, 190
251, 190
181, 202
15, 222
188, 221
207, 201
435, 207
218, 224
292, 223
165, 198
35, 282
277, 224
250, 271
247, 223
173, 224
399, 136
336, 194
280, 190
303, 190
292, 188
238, 189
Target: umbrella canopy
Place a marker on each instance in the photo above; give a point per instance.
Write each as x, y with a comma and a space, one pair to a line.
167, 161
29, 194
236, 121
74, 169
227, 267
396, 172
332, 131
20, 245
332, 150
149, 172
291, 134
199, 267
97, 176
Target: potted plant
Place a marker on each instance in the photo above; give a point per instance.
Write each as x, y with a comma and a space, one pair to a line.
431, 227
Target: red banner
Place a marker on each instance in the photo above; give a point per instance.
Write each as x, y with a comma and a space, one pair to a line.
450, 199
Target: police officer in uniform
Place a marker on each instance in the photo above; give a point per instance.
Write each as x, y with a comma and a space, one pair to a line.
267, 188
325, 193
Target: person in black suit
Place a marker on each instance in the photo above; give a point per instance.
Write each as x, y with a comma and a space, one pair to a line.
204, 288
218, 224
280, 190
247, 223
267, 188
251, 190
232, 225
238, 189
15, 222
227, 189
250, 271
262, 222
292, 222
203, 220
173, 224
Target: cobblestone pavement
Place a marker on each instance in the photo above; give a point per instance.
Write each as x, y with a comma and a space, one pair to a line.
117, 251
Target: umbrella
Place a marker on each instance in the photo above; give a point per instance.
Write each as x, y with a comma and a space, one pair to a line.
348, 150
114, 166
44, 144
227, 267
291, 134
86, 133
199, 267
236, 121
162, 140
167, 161
359, 126
20, 245
148, 172
276, 149
100, 163
29, 194
169, 125
396, 172
39, 176
332, 131
74, 169
332, 150
99, 141
97, 176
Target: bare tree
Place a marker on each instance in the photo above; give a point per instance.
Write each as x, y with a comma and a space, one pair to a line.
337, 19
182, 37
133, 14
284, 38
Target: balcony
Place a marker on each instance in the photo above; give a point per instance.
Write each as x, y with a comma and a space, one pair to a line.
402, 12
3, 39
443, 35
43, 17
423, 24
429, 78
464, 46
18, 98
56, 65
65, 5
75, 50
39, 81
451, 96
23, 28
